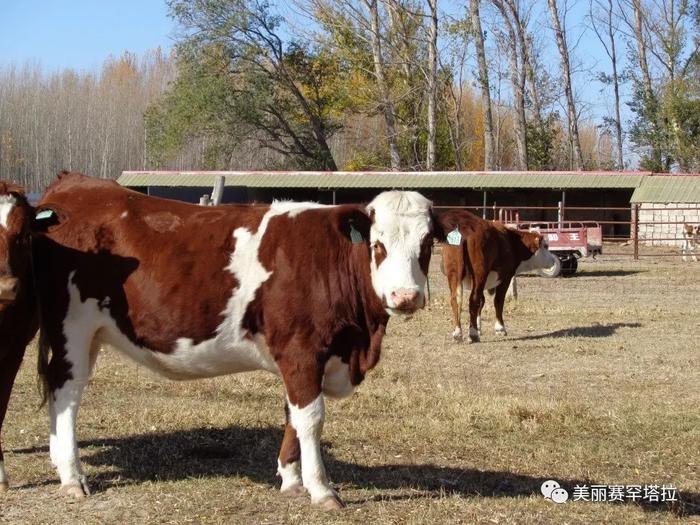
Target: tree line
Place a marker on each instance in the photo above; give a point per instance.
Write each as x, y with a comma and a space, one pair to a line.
371, 84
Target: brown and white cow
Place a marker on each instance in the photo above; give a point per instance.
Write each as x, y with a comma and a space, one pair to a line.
18, 318
691, 241
301, 290
487, 257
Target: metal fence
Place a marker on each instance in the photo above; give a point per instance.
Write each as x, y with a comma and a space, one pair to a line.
638, 230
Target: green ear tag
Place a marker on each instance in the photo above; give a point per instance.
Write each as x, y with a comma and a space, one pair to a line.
454, 237
355, 236
44, 214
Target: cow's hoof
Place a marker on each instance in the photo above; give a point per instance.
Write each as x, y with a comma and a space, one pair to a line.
330, 503
74, 491
457, 338
502, 331
294, 491
4, 486
474, 339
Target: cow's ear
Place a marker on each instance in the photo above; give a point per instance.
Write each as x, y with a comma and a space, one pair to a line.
440, 228
353, 224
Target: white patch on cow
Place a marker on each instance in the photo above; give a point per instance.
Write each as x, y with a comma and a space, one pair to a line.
401, 222
478, 323
336, 378
290, 474
124, 214
542, 258
7, 203
308, 423
500, 329
3, 474
294, 208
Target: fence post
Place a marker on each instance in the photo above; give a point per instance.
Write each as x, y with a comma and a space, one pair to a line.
218, 191
635, 230
560, 214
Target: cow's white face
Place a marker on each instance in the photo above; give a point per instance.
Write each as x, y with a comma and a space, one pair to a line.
400, 241
542, 258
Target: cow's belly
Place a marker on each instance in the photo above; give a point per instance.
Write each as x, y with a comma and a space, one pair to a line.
492, 281
210, 358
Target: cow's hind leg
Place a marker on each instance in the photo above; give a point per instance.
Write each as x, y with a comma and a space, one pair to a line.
498, 302
476, 301
289, 461
8, 372
456, 294
69, 372
302, 376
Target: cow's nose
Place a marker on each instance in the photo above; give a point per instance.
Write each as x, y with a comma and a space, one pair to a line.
8, 288
405, 299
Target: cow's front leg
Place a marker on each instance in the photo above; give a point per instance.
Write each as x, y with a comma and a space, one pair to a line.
306, 415
8, 372
69, 372
289, 461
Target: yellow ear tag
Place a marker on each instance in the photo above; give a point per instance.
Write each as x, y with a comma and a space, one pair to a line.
454, 237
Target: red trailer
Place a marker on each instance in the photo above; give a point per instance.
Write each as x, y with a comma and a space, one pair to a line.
569, 241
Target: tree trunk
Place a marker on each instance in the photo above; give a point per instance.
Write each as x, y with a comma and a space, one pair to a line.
616, 87
489, 157
517, 80
566, 76
432, 86
386, 103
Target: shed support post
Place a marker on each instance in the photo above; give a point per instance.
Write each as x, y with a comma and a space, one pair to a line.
333, 197
635, 230
218, 191
483, 209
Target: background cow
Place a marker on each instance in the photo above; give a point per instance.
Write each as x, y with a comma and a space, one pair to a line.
487, 256
298, 289
18, 322
691, 241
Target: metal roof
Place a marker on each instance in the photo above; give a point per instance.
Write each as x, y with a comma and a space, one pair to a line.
387, 180
668, 188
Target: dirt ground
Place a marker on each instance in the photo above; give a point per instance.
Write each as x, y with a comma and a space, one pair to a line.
597, 382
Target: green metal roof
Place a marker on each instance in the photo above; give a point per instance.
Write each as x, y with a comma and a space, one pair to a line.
387, 180
668, 188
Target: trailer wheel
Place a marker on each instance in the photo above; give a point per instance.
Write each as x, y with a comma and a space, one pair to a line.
569, 265
553, 271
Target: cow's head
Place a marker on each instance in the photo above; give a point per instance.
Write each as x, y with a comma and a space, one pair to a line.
401, 238
536, 252
15, 222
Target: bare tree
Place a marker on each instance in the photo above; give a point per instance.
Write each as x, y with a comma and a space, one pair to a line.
602, 13
517, 79
387, 104
432, 85
489, 161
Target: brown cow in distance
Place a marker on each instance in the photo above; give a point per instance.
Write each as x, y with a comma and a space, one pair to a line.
18, 317
301, 290
487, 257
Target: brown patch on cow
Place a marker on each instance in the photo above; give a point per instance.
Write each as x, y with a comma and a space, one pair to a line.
379, 251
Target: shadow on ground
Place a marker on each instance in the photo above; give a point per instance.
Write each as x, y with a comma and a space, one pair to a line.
252, 452
594, 330
606, 273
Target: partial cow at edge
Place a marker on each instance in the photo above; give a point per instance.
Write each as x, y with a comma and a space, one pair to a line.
487, 257
18, 318
302, 290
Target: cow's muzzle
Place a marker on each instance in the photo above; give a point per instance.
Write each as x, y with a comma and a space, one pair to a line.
8, 289
405, 300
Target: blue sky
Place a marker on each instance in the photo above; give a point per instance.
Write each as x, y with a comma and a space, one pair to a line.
80, 34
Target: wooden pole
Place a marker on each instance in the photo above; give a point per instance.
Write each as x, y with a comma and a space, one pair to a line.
218, 191
635, 230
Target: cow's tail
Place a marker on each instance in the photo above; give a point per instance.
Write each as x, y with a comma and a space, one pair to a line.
43, 366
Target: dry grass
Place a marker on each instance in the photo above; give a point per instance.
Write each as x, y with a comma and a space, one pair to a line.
597, 382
